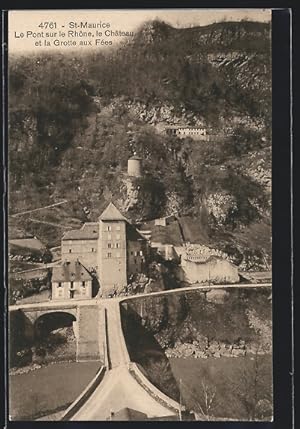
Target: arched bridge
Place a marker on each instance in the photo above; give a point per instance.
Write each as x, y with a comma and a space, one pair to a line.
85, 316
120, 383
34, 314
123, 385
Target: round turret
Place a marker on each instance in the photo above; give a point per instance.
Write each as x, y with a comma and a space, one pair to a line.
135, 166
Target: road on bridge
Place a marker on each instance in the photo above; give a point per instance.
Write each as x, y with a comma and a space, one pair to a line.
118, 389
68, 303
117, 349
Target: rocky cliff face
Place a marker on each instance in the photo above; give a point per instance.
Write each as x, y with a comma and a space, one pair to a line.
211, 324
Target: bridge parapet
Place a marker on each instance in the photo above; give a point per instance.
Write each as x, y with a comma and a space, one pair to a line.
84, 396
141, 378
34, 311
33, 315
153, 391
105, 340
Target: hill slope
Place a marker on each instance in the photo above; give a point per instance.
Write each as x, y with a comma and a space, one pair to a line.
74, 121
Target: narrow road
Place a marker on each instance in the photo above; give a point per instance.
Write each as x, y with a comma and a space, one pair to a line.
197, 287
117, 349
125, 298
40, 208
118, 389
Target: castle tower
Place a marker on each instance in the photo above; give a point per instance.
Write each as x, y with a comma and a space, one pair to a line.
112, 253
135, 166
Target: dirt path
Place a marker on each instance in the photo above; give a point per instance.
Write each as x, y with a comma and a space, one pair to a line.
40, 208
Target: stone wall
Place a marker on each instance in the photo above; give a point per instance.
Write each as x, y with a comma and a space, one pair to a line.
214, 270
89, 334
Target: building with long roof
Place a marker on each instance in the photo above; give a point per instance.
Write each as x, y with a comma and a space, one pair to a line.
111, 247
181, 131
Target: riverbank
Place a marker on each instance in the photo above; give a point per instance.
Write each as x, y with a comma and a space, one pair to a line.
236, 388
49, 389
215, 344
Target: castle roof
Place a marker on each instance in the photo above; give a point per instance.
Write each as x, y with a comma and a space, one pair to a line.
112, 213
70, 271
88, 231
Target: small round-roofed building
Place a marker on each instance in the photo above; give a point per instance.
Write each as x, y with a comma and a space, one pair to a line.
135, 166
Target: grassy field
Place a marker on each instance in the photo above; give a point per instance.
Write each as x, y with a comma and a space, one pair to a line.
239, 388
49, 389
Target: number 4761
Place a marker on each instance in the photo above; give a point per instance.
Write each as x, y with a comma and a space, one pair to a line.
46, 24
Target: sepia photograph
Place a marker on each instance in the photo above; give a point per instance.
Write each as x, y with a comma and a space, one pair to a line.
140, 215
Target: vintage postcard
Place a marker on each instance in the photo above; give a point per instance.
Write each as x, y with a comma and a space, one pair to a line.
139, 215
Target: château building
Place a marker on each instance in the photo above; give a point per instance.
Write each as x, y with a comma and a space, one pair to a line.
111, 247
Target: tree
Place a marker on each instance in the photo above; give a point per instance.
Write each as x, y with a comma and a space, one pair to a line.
204, 401
253, 390
207, 402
